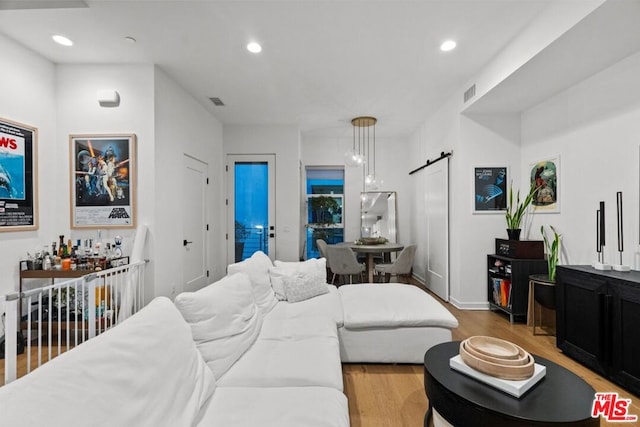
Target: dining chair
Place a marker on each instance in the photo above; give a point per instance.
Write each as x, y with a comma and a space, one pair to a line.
322, 248
343, 262
401, 267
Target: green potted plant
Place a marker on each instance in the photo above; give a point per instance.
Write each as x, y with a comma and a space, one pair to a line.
323, 208
553, 251
516, 210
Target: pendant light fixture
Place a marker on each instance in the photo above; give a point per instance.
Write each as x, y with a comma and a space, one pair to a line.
364, 150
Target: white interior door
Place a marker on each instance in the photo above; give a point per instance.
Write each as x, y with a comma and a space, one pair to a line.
436, 200
251, 213
194, 226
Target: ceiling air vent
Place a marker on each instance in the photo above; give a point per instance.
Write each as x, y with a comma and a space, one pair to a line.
217, 101
470, 93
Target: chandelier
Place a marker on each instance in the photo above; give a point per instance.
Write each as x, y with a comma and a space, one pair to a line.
363, 150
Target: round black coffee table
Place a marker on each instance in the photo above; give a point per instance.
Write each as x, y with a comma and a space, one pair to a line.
560, 398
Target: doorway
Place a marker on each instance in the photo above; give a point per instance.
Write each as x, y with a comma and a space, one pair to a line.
194, 226
250, 205
436, 208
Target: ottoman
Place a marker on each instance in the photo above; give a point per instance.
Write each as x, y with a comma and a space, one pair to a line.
391, 323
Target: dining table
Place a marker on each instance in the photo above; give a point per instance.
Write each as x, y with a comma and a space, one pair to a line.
371, 251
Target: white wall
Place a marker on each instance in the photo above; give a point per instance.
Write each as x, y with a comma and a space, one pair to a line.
591, 126
183, 126
284, 142
80, 113
392, 165
61, 100
27, 84
594, 127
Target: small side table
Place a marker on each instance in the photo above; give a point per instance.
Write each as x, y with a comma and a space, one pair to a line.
542, 294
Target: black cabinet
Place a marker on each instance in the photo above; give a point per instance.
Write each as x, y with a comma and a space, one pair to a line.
511, 275
598, 321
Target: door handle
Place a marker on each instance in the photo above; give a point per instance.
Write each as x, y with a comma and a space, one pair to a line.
185, 242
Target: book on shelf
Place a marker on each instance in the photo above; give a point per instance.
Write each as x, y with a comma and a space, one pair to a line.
502, 292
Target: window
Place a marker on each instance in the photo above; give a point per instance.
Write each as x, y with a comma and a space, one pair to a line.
325, 201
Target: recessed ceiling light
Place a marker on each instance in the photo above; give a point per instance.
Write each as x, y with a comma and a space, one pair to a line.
64, 41
254, 47
448, 45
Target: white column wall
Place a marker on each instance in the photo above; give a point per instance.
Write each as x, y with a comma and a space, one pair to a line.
28, 87
183, 126
80, 113
594, 127
392, 165
284, 142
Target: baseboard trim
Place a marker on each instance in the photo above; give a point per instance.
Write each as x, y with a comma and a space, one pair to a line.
466, 305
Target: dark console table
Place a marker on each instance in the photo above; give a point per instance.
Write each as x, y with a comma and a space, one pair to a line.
598, 319
560, 398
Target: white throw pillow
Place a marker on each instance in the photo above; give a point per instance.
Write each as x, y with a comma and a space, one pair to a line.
257, 268
276, 274
224, 320
301, 287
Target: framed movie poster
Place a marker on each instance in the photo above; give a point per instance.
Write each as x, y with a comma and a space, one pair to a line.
103, 184
546, 175
18, 177
490, 189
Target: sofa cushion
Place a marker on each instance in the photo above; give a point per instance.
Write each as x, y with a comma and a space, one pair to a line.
224, 320
311, 362
297, 329
276, 407
327, 305
144, 372
257, 268
392, 305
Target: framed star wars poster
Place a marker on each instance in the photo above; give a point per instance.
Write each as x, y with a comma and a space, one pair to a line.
18, 176
103, 184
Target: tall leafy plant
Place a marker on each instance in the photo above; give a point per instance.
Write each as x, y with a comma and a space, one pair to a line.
517, 208
553, 250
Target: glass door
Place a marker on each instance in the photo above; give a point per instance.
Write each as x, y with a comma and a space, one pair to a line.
250, 206
325, 202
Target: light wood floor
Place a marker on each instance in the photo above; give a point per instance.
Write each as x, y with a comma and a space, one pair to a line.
394, 396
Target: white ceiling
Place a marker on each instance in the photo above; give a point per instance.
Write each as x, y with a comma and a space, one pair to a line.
323, 61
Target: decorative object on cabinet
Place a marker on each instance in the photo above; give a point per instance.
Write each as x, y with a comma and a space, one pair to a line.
553, 251
490, 189
620, 267
600, 240
598, 322
508, 283
18, 176
103, 181
532, 249
544, 176
516, 210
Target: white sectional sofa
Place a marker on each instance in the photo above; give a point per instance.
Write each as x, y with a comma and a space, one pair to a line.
235, 353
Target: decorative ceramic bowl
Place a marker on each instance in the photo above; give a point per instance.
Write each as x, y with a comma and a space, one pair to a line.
373, 240
498, 358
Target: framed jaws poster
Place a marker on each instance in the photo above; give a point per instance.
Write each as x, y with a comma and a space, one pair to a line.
18, 177
103, 185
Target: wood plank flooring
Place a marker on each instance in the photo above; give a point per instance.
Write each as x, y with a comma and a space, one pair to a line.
394, 396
